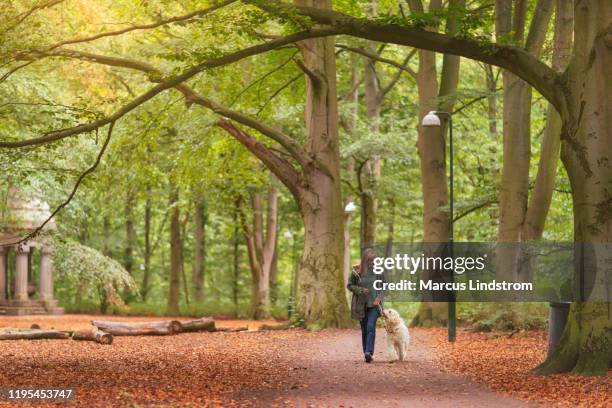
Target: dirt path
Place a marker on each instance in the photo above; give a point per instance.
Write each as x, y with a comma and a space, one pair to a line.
330, 372
260, 369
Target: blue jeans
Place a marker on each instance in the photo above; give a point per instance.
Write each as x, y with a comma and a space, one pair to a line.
368, 329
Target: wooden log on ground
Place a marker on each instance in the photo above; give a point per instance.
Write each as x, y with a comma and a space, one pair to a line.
93, 334
265, 327
162, 328
32, 334
203, 324
232, 329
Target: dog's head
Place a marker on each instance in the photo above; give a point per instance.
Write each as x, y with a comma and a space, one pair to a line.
392, 317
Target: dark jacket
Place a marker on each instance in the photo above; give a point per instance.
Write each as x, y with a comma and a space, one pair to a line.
359, 299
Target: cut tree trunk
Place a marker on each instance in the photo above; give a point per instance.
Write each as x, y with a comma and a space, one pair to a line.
232, 329
93, 334
203, 324
161, 328
32, 334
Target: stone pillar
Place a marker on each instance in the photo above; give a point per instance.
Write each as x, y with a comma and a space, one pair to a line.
21, 272
46, 274
3, 253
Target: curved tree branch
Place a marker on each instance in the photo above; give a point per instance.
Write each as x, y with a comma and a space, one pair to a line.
74, 189
294, 149
514, 59
279, 166
171, 82
170, 20
376, 57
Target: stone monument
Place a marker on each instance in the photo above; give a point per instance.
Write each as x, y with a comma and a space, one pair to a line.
19, 295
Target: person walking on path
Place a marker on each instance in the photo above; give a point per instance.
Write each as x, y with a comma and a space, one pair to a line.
366, 301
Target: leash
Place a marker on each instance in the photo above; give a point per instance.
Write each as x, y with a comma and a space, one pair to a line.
381, 310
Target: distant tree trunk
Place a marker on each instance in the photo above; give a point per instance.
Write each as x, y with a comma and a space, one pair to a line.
369, 172
514, 186
390, 229
541, 196
274, 274
260, 246
83, 239
236, 255
199, 249
130, 236
351, 124
491, 99
175, 253
147, 245
106, 228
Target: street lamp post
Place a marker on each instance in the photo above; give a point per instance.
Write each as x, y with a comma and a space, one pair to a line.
432, 119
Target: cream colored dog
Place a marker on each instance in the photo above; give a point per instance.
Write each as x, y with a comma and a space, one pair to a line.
398, 336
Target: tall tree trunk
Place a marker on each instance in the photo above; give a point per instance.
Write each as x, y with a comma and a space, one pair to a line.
174, 284
321, 300
369, 173
586, 345
351, 124
431, 145
144, 291
541, 196
514, 187
199, 250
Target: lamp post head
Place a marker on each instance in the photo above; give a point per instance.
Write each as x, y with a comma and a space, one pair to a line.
431, 119
350, 207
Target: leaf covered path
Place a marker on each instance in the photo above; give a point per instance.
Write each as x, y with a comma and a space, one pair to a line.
274, 368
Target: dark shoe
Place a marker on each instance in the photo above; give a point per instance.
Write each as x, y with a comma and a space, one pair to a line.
368, 358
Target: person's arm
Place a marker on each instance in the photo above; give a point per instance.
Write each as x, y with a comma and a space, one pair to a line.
380, 294
353, 283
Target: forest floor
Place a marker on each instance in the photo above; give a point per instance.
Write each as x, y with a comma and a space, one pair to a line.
284, 368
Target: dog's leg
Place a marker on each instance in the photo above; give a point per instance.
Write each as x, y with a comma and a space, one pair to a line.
391, 350
399, 349
401, 353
